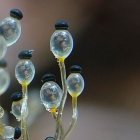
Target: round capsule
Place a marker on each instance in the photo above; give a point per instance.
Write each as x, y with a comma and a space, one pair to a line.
3, 47
75, 84
1, 112
8, 132
19, 109
61, 44
4, 80
24, 71
50, 95
10, 30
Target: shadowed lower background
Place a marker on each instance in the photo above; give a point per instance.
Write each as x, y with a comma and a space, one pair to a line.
106, 35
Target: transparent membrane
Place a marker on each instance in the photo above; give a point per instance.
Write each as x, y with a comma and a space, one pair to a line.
19, 109
51, 95
1, 112
10, 29
8, 132
3, 47
61, 43
4, 80
75, 84
24, 71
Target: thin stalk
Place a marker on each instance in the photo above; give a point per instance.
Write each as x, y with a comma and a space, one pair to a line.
74, 118
25, 135
58, 133
24, 126
54, 115
1, 128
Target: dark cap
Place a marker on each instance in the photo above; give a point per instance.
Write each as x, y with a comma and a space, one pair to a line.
17, 133
50, 138
16, 13
3, 63
25, 54
48, 77
61, 25
75, 69
17, 96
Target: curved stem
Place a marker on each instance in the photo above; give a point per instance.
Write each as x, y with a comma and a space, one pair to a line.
58, 133
54, 115
74, 117
24, 126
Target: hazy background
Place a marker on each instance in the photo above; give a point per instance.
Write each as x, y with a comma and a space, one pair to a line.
107, 46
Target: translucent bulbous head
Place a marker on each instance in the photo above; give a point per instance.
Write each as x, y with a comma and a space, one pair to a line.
24, 71
75, 84
3, 47
20, 109
10, 29
51, 95
4, 80
1, 112
61, 43
8, 132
